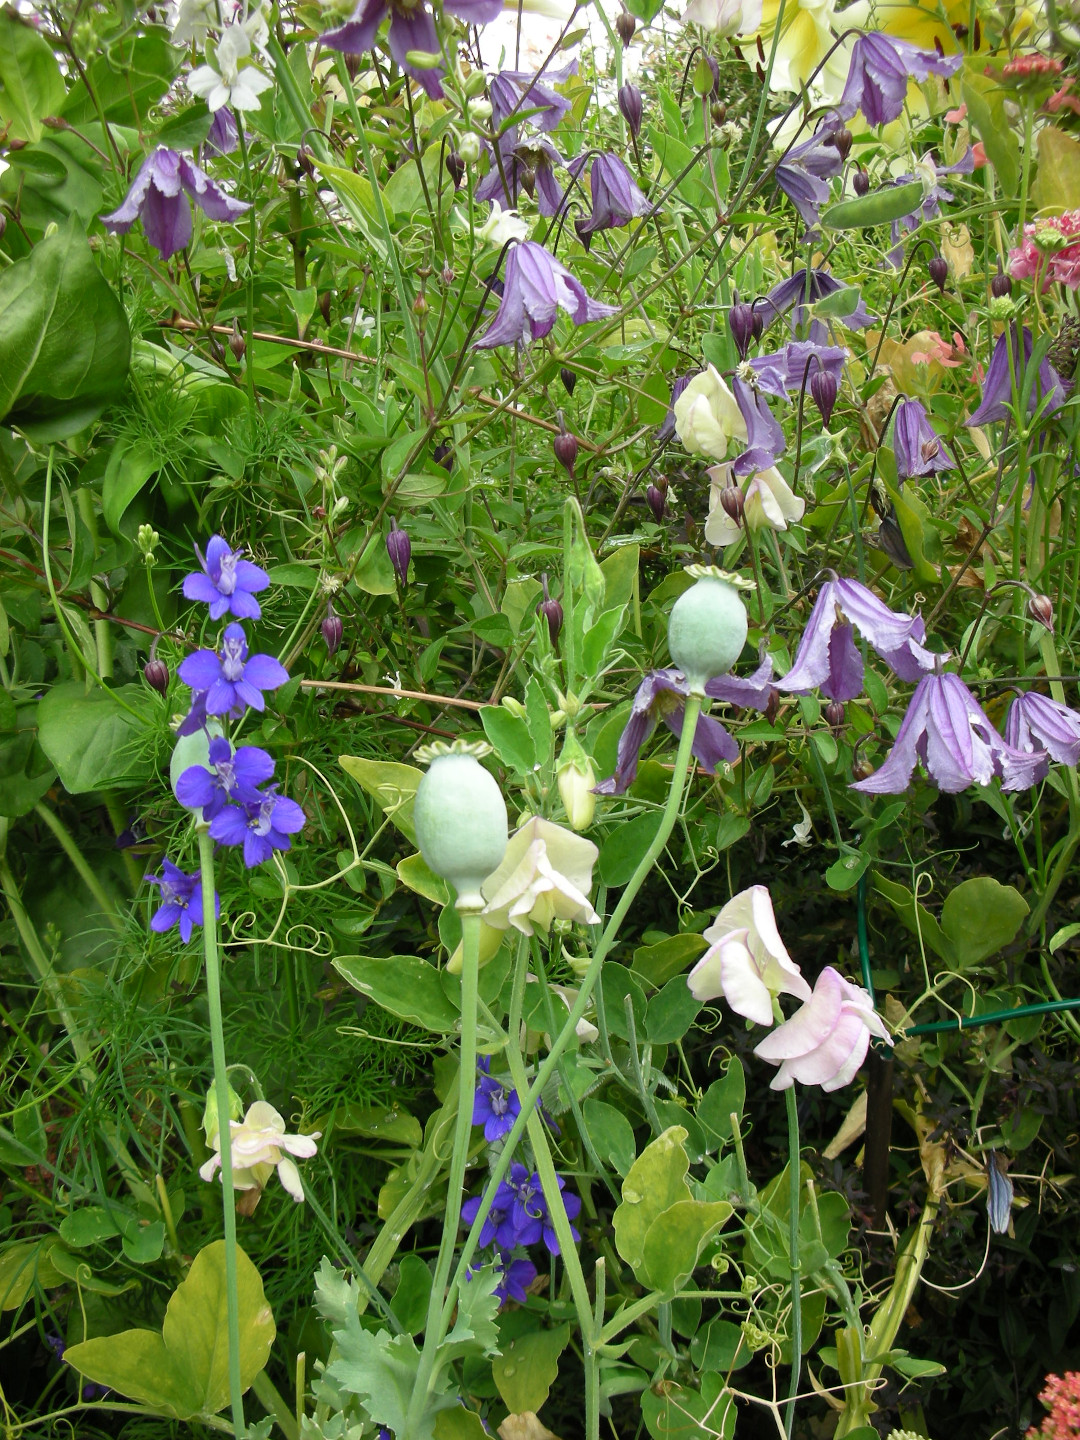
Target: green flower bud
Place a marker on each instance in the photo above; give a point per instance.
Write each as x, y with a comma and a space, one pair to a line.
707, 627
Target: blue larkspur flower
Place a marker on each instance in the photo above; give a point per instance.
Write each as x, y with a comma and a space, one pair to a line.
227, 582
181, 900
260, 828
233, 775
232, 679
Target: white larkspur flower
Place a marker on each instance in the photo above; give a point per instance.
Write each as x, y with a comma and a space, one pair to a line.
259, 1147
503, 225
747, 961
546, 875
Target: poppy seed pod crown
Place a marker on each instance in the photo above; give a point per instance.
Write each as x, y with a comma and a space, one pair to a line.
707, 626
460, 820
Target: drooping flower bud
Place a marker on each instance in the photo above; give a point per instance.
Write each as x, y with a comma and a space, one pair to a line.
938, 269
1000, 287
834, 714
734, 503
455, 168
237, 343
569, 380
443, 455
552, 612
840, 139
823, 389
630, 107
325, 302
625, 25
399, 548
1041, 608
332, 630
566, 447
741, 324
156, 674
657, 502
707, 627
860, 182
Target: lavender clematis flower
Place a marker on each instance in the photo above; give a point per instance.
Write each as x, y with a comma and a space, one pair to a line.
945, 728
181, 900
494, 1107
997, 391
535, 289
412, 27
878, 75
513, 92
827, 658
159, 197
232, 679
523, 164
261, 828
223, 137
234, 775
764, 437
804, 172
660, 696
934, 193
797, 364
799, 292
227, 582
1036, 725
827, 1038
919, 450
615, 196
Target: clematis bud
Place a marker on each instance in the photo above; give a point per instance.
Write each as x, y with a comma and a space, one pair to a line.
834, 714
860, 182
840, 139
443, 455
741, 324
630, 107
399, 548
1041, 609
455, 168
569, 380
552, 612
731, 498
823, 389
1000, 287
625, 25
938, 268
332, 630
469, 147
156, 675
325, 302
236, 342
566, 447
657, 503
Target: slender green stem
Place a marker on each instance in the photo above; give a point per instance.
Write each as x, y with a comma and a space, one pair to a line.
75, 855
794, 1179
221, 1092
437, 1317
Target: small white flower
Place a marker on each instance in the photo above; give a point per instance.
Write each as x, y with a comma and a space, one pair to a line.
800, 832
191, 20
260, 1146
724, 17
225, 82
503, 225
546, 875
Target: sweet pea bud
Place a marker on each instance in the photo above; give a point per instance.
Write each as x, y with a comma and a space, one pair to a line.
569, 380
834, 714
1041, 609
840, 139
823, 388
938, 269
469, 148
399, 548
514, 706
630, 107
210, 1112
576, 781
455, 168
860, 182
236, 342
423, 59
1000, 286
332, 630
657, 504
148, 541
731, 498
741, 324
156, 674
625, 25
566, 447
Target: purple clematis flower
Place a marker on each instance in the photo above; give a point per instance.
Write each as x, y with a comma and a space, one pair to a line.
227, 583
514, 92
234, 775
494, 1107
919, 450
878, 75
159, 197
525, 164
795, 366
517, 1276
223, 137
997, 391
945, 728
1036, 724
261, 828
804, 171
616, 199
232, 679
764, 437
181, 900
535, 289
827, 658
660, 696
798, 292
412, 27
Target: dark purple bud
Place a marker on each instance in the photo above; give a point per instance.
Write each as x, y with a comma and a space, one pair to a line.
630, 106
860, 182
657, 503
551, 610
625, 25
1000, 286
236, 342
741, 323
443, 455
861, 770
304, 160
718, 113
759, 322
840, 139
772, 707
566, 447
332, 629
823, 388
156, 674
1041, 609
399, 548
527, 175
455, 168
834, 714
731, 498
325, 300
569, 380
938, 269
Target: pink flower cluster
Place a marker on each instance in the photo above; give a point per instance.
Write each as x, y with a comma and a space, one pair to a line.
1062, 1398
1051, 251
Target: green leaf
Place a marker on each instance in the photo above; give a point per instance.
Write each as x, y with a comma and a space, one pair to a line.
88, 1226
611, 1133
457, 1423
980, 916
599, 638
916, 917
510, 738
375, 570
620, 572
985, 101
183, 1370
679, 1413
624, 848
720, 1347
413, 1291
528, 1367
657, 964
725, 1097
845, 873
538, 719
671, 1013
130, 467
380, 1369
390, 785
25, 770
616, 984
656, 1180
25, 1265
676, 1238
414, 872
31, 85
475, 1331
408, 987
64, 341
126, 81
1057, 185
94, 742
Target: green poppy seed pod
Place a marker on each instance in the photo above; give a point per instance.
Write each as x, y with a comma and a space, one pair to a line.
706, 630
461, 824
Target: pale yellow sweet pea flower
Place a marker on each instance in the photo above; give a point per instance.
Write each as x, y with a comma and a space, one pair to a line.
545, 876
259, 1147
707, 416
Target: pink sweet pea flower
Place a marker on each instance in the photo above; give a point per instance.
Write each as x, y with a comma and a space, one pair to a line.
747, 962
827, 1038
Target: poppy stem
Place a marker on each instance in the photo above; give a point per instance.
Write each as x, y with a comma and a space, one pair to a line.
794, 1180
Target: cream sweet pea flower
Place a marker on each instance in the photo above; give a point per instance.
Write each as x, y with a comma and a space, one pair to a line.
747, 961
546, 875
260, 1146
707, 416
724, 17
768, 501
